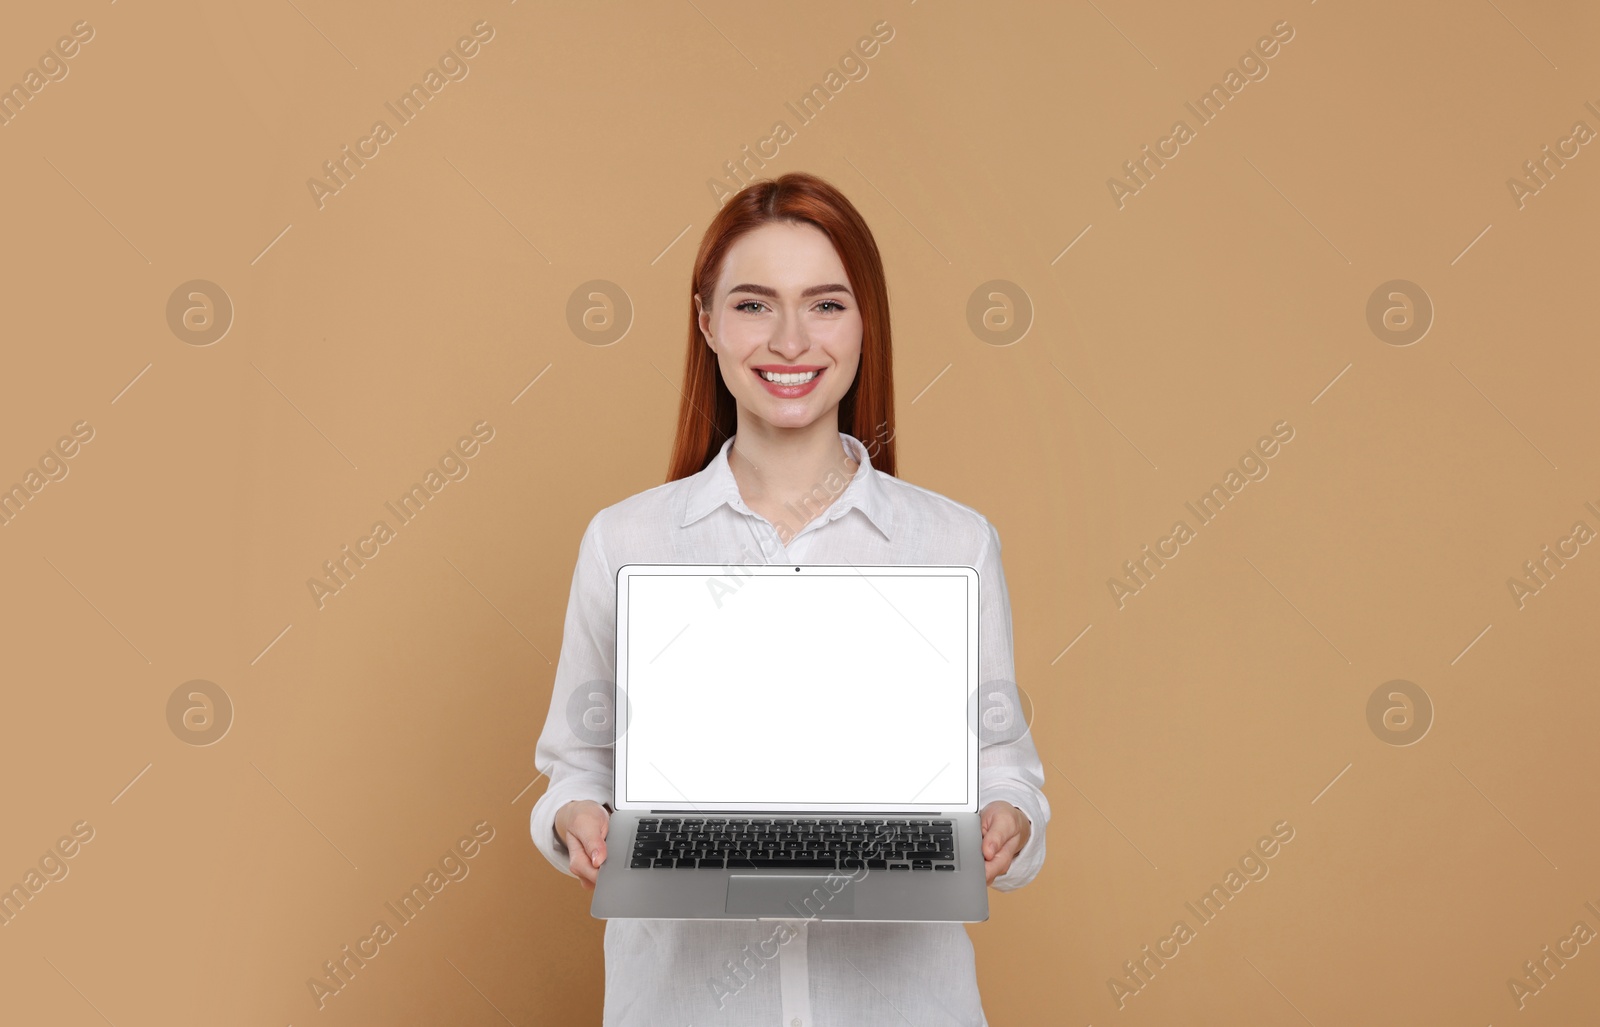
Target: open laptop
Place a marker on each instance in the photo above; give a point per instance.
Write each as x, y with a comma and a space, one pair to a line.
795, 742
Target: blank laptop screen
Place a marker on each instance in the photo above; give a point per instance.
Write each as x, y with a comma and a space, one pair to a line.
819, 687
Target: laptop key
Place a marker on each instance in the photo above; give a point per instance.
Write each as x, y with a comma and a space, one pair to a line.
922, 864
661, 863
899, 866
877, 864
709, 863
639, 862
944, 866
767, 863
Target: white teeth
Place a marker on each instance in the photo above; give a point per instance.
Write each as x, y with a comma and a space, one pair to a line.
788, 379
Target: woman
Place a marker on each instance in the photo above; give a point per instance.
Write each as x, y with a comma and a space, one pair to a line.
788, 371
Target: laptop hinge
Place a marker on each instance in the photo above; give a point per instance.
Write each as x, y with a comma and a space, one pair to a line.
811, 813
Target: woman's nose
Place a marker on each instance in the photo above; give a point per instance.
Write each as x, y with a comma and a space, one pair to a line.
789, 340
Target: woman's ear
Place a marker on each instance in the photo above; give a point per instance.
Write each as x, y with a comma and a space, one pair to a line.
700, 318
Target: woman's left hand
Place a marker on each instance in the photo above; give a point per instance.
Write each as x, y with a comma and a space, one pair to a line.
1005, 832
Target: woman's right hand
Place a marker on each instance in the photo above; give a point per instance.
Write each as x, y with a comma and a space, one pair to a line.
582, 825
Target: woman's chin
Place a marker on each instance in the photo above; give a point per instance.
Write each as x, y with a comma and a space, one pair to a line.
793, 415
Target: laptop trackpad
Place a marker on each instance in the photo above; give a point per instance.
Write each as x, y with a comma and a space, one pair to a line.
798, 897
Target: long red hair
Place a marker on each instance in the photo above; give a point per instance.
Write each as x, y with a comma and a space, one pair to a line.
707, 416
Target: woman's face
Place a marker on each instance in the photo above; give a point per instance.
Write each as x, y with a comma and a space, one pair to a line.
783, 306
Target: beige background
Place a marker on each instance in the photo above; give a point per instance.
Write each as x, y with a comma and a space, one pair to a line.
1167, 336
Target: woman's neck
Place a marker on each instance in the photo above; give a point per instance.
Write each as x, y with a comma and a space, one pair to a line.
790, 475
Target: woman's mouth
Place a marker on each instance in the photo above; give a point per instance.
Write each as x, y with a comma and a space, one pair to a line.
790, 384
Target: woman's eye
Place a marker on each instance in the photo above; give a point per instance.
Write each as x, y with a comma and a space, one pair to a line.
746, 305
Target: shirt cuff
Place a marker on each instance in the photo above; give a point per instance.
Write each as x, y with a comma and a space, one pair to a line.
543, 818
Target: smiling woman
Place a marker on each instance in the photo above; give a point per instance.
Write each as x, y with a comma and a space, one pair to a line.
787, 371
824, 257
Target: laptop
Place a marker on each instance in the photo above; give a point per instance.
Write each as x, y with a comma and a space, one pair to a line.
795, 742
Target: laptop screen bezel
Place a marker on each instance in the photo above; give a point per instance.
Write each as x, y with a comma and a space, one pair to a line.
627, 572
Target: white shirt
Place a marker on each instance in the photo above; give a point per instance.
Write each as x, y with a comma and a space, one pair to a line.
674, 973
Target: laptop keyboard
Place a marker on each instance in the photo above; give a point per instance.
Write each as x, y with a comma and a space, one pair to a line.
761, 843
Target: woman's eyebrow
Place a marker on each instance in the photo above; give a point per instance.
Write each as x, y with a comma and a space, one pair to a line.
815, 290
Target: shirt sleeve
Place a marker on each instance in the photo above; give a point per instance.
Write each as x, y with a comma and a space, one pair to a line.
1008, 763
575, 747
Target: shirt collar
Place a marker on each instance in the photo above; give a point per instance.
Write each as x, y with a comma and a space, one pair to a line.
714, 485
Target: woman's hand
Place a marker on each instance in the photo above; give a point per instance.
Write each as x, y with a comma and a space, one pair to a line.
582, 824
1005, 831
